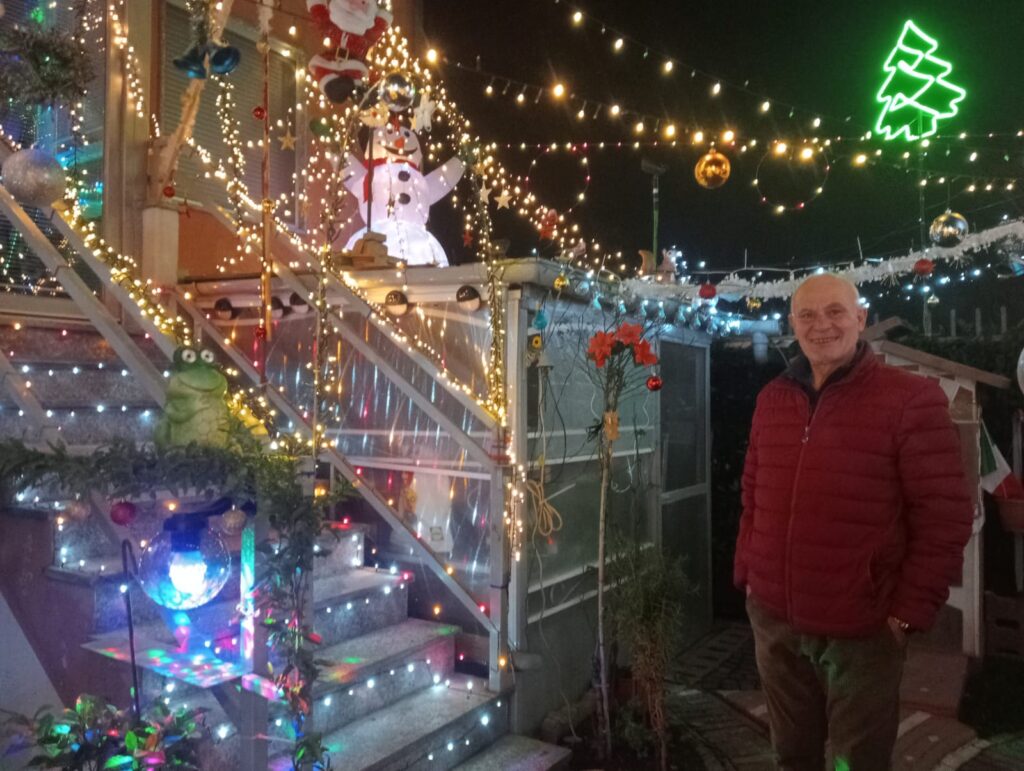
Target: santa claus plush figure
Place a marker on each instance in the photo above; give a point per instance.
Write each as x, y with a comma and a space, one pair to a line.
351, 27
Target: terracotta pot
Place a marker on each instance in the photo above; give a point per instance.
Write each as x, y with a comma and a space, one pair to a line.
1011, 511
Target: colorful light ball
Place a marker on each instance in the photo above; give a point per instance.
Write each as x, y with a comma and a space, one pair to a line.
34, 177
924, 267
123, 513
184, 568
654, 383
712, 170
707, 291
948, 229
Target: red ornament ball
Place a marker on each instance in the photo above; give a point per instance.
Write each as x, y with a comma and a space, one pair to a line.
924, 267
654, 383
259, 112
123, 513
707, 291
168, 191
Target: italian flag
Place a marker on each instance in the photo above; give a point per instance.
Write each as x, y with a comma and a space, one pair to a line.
996, 477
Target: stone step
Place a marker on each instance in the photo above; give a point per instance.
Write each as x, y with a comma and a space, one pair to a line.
85, 427
357, 602
81, 387
374, 670
435, 728
67, 344
518, 753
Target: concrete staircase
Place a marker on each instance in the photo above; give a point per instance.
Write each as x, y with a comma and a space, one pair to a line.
392, 696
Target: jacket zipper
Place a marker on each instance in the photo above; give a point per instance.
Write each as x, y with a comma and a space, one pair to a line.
792, 502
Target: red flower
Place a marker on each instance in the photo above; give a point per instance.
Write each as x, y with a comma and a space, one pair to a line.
629, 334
643, 356
600, 347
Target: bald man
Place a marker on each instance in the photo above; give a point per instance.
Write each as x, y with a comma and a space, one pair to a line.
855, 517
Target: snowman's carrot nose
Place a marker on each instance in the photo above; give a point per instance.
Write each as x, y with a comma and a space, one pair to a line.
400, 143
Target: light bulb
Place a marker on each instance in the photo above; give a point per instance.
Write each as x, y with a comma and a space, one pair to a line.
187, 572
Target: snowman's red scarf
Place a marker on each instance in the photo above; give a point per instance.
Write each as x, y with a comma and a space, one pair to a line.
380, 162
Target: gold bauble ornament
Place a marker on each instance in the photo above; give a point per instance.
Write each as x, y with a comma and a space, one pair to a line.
232, 521
561, 282
78, 510
754, 303
712, 170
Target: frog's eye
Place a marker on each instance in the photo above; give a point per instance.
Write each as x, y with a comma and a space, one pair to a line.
188, 356
207, 356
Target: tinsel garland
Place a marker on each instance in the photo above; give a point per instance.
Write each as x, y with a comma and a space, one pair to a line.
43, 66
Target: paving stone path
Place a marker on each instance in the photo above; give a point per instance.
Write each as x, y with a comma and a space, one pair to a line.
714, 696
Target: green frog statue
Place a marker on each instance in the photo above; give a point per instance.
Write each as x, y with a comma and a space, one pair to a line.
196, 409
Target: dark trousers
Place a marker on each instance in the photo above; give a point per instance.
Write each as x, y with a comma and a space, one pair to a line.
845, 691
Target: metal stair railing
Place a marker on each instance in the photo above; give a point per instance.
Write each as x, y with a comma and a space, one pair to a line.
344, 467
358, 305
97, 314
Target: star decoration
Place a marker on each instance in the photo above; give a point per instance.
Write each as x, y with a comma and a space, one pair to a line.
467, 238
504, 199
422, 115
479, 168
485, 194
287, 139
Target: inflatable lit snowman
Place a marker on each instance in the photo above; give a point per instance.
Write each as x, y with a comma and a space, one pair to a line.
401, 194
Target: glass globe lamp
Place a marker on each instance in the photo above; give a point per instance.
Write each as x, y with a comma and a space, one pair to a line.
185, 566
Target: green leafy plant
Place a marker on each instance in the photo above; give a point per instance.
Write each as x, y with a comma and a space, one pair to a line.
43, 66
96, 735
646, 617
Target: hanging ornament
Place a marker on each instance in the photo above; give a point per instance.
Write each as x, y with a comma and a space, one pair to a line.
34, 177
924, 267
932, 300
548, 224
168, 191
540, 321
396, 303
467, 238
754, 303
707, 291
123, 513
349, 30
948, 229
259, 112
78, 510
712, 170
468, 298
654, 383
232, 521
561, 282
397, 91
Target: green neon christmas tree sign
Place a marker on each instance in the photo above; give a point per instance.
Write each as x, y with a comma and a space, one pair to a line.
916, 94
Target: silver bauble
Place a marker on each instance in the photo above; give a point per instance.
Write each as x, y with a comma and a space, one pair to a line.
948, 229
232, 521
34, 177
397, 91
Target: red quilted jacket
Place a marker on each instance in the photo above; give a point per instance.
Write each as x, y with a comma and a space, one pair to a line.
855, 510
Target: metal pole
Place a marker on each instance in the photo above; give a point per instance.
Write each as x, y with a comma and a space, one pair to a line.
266, 259
654, 239
128, 558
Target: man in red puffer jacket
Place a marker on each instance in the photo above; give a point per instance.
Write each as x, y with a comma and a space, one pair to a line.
855, 517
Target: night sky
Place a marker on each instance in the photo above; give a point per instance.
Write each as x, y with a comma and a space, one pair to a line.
824, 58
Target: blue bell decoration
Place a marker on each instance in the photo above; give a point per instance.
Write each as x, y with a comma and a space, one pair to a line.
223, 59
193, 62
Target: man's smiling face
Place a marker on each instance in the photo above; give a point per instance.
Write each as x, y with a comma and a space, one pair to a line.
827, 319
